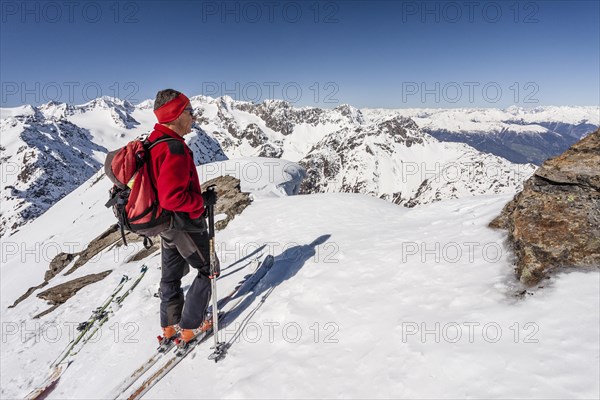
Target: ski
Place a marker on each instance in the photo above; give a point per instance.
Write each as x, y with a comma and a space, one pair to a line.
103, 317
42, 391
119, 300
98, 317
242, 288
141, 370
165, 347
162, 349
86, 326
180, 353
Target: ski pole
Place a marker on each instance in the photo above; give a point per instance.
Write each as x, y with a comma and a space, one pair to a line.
217, 354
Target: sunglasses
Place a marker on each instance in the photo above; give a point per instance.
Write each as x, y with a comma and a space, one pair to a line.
190, 110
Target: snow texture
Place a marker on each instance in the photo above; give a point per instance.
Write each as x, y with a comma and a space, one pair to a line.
365, 300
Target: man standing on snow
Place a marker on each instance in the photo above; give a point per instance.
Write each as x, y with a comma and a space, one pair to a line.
174, 175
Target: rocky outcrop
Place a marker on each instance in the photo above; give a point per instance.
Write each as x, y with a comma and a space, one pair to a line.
231, 200
27, 294
255, 136
63, 292
58, 263
278, 115
554, 223
59, 294
62, 260
105, 239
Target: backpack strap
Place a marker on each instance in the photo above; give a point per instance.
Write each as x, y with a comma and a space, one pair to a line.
123, 234
165, 138
147, 242
148, 146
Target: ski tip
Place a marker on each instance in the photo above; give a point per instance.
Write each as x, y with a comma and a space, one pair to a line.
48, 385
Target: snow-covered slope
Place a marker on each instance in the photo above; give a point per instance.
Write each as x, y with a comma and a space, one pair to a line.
259, 175
366, 299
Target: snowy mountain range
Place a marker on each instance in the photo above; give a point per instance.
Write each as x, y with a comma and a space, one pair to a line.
394, 160
518, 134
48, 151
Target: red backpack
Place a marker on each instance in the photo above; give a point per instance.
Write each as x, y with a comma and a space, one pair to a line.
134, 198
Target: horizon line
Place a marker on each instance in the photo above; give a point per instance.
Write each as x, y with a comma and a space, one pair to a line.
340, 104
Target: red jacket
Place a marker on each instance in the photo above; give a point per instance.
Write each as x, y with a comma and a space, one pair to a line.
174, 174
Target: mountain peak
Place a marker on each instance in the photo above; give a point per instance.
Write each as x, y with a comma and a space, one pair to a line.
56, 110
147, 104
107, 102
276, 103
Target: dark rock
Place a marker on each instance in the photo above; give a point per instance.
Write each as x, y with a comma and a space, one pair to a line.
105, 239
28, 293
59, 263
278, 115
254, 135
231, 201
61, 293
554, 223
140, 255
48, 311
271, 151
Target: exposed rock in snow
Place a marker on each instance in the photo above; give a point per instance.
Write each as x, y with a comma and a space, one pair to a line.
554, 223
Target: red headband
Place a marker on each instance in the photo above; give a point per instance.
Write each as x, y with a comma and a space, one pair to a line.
170, 111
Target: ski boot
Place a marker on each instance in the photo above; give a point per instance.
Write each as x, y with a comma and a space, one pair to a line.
186, 336
167, 339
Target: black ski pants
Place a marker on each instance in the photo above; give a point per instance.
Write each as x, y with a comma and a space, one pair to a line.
180, 249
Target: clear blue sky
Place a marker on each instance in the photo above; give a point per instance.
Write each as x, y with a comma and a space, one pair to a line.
391, 54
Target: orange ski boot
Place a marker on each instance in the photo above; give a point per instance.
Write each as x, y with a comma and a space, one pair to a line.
168, 336
187, 335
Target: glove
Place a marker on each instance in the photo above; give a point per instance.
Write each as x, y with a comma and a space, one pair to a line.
217, 266
209, 197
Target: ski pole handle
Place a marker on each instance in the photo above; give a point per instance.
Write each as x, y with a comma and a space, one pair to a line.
210, 211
